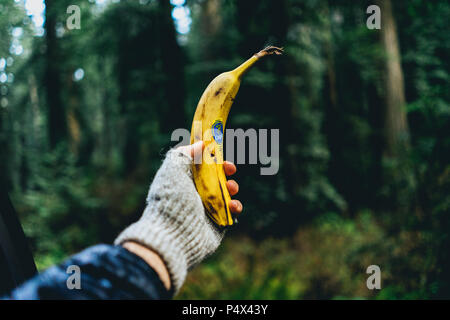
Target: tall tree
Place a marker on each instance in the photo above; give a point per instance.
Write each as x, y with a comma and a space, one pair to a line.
173, 68
57, 124
398, 175
396, 125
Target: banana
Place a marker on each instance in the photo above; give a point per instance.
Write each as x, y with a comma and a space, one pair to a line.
208, 125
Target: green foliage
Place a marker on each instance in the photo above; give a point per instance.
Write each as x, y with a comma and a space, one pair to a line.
325, 260
58, 205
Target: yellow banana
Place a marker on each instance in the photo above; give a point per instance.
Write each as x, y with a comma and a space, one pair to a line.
208, 125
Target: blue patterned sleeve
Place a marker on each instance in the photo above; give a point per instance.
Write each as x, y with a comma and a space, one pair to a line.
106, 272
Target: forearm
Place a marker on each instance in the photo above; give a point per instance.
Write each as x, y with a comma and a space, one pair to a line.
106, 272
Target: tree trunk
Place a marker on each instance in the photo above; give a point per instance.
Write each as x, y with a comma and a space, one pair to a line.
73, 123
173, 67
398, 174
5, 153
396, 125
57, 125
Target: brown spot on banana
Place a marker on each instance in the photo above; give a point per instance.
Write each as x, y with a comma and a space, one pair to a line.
224, 201
203, 111
211, 208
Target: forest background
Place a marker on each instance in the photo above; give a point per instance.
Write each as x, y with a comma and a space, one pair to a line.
86, 115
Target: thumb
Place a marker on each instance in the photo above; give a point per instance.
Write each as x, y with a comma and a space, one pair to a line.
194, 150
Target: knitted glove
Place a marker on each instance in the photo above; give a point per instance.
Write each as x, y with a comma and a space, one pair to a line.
174, 223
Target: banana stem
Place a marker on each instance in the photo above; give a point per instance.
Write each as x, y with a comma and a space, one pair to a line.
243, 68
269, 50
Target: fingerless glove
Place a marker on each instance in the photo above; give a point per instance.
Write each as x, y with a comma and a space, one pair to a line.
174, 223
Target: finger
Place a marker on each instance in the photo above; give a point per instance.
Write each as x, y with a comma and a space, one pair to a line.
229, 168
235, 206
197, 149
232, 187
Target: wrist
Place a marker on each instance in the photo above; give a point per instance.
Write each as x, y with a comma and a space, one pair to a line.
152, 259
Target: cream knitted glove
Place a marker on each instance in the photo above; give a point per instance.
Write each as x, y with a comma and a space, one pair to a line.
174, 223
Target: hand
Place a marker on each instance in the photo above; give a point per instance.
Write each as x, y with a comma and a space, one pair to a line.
229, 168
174, 224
